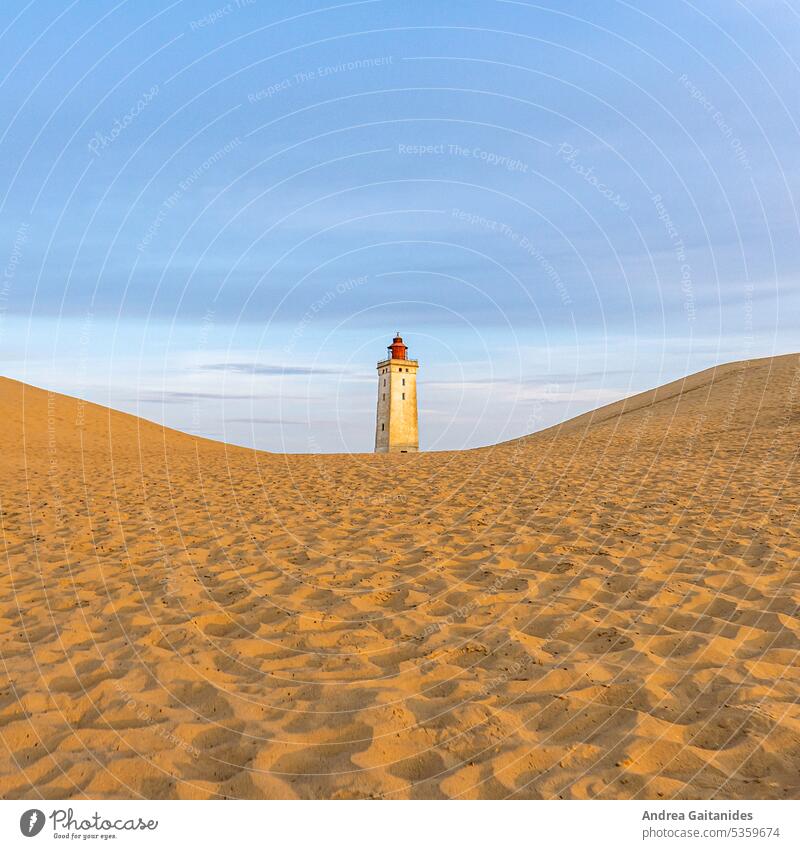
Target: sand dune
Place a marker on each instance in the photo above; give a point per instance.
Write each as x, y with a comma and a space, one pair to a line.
604, 609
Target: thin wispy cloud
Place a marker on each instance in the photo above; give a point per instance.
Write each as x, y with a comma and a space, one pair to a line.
260, 421
267, 369
542, 380
173, 397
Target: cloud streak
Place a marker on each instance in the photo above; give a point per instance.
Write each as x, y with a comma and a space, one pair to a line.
267, 369
267, 421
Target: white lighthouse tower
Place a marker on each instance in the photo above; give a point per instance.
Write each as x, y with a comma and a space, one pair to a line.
396, 426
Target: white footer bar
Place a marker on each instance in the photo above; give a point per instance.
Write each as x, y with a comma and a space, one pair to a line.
402, 825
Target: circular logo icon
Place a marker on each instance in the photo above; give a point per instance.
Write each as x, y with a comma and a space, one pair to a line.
31, 822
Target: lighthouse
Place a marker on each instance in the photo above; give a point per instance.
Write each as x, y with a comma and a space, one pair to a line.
396, 429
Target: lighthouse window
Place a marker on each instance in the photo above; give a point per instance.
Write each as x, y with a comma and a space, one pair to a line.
382, 426
404, 381
404, 396
384, 396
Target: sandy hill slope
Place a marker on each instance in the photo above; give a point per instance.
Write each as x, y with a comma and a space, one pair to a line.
608, 608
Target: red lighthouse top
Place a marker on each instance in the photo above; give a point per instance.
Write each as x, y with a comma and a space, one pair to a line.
397, 350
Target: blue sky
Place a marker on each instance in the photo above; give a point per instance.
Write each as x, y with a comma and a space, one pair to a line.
216, 215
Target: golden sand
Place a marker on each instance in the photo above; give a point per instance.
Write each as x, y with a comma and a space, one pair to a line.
608, 608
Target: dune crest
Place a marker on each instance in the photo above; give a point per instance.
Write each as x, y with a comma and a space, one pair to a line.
607, 608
